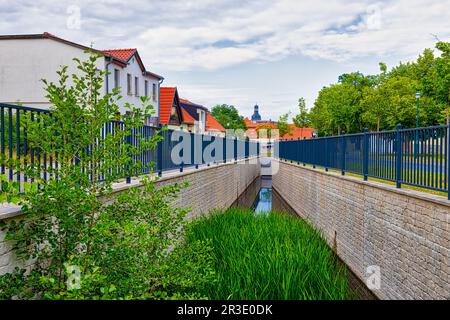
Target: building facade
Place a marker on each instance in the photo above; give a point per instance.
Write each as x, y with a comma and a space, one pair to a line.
27, 59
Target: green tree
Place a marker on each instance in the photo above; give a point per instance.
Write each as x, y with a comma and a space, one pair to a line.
228, 117
302, 119
283, 126
383, 100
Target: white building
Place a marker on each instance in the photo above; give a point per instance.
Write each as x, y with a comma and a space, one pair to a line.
26, 59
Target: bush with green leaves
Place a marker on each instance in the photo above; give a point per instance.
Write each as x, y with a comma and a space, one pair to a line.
78, 238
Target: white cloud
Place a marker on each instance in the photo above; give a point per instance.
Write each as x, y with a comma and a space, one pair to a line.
183, 35
208, 36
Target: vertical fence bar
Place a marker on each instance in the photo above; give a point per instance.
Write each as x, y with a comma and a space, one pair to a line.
447, 154
18, 144
343, 146
235, 146
128, 142
182, 155
398, 165
2, 138
159, 154
25, 151
366, 154
10, 140
224, 149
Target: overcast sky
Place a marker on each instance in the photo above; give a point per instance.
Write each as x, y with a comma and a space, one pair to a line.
244, 52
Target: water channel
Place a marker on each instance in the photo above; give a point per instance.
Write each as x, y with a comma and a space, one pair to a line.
262, 198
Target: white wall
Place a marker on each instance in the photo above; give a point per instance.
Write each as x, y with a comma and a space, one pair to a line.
134, 69
23, 63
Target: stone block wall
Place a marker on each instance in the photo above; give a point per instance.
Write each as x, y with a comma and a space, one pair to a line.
403, 232
217, 186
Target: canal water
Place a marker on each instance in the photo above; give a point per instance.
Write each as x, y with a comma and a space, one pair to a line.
262, 198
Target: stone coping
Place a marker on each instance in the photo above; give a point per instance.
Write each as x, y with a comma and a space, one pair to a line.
9, 210
384, 186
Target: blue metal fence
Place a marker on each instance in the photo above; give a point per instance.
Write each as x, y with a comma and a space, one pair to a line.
13, 145
417, 157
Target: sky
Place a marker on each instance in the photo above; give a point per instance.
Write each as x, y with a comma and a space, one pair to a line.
244, 52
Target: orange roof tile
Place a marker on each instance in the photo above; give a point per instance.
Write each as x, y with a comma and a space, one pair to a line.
186, 116
298, 133
167, 97
122, 54
213, 124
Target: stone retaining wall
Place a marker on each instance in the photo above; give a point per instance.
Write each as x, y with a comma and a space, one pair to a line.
217, 186
403, 232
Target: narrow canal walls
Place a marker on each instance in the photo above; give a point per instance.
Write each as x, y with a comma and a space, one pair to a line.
210, 187
397, 241
214, 187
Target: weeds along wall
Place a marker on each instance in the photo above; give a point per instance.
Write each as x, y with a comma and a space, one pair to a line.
210, 187
373, 226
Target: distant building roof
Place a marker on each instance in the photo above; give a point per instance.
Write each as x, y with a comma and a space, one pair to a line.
212, 124
191, 108
126, 55
190, 115
123, 54
168, 97
296, 132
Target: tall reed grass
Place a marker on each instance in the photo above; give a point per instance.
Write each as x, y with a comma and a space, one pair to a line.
273, 256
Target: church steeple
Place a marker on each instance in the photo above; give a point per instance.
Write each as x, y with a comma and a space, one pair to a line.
256, 116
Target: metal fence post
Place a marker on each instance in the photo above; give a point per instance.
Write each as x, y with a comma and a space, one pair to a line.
366, 154
129, 143
344, 147
303, 151
247, 145
398, 165
224, 149
193, 150
448, 158
235, 148
159, 154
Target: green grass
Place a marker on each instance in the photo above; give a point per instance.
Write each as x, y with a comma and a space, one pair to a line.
274, 256
406, 186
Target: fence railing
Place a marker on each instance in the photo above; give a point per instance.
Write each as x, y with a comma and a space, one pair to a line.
197, 149
417, 157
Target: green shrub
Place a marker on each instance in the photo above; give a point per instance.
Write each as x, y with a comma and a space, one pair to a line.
76, 245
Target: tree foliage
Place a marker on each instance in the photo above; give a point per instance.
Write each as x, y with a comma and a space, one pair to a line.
283, 126
302, 119
228, 116
381, 101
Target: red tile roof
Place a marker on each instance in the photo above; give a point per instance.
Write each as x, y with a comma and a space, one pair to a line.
299, 133
122, 54
186, 116
186, 101
296, 132
167, 96
213, 124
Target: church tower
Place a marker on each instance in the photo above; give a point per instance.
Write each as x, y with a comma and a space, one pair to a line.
256, 116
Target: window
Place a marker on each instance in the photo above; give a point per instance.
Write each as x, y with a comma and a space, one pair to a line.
136, 86
116, 78
129, 90
154, 92
146, 88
